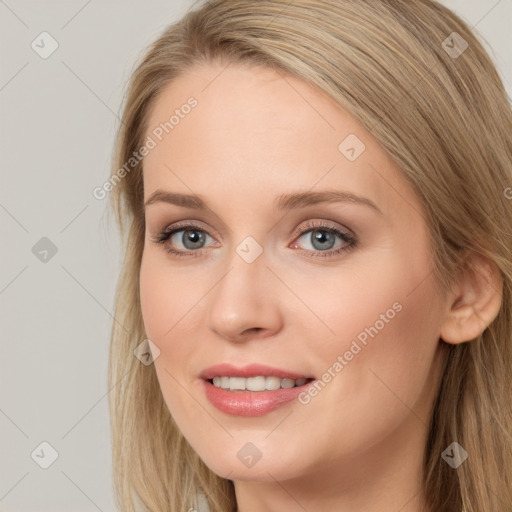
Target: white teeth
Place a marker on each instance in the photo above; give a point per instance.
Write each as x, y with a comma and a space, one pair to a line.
236, 383
272, 383
259, 383
255, 384
287, 383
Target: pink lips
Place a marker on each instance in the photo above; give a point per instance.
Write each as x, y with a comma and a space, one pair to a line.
250, 403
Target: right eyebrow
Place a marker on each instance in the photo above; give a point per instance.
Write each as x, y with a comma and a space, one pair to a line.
184, 200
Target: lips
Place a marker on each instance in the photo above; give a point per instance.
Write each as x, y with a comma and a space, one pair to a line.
251, 370
244, 402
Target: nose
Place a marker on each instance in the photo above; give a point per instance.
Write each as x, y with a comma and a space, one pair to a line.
245, 302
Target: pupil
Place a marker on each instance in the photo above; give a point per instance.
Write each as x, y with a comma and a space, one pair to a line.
195, 237
322, 237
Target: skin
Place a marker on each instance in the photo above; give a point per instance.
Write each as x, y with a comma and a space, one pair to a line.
253, 136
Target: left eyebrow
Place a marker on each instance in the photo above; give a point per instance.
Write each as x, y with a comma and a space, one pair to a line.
302, 199
281, 202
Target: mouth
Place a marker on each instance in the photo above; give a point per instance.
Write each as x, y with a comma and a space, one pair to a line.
253, 377
252, 390
257, 383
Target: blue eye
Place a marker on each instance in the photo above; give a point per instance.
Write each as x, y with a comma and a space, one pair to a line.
322, 238
192, 238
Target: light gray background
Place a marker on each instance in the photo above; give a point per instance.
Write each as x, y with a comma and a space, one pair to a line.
59, 116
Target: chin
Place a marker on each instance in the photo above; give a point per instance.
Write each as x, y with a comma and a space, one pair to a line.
232, 468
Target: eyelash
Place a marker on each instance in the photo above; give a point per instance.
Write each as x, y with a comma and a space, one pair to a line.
161, 238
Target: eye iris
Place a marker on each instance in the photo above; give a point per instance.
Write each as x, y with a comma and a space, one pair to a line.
194, 236
322, 236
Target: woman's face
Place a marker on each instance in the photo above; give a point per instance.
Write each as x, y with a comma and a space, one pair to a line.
281, 269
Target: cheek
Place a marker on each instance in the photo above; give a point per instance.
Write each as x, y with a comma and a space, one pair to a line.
406, 355
389, 334
362, 302
168, 303
384, 318
164, 296
387, 302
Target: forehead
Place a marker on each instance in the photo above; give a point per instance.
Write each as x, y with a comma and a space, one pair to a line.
250, 103
255, 129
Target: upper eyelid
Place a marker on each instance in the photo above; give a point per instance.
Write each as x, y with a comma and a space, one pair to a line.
184, 225
319, 209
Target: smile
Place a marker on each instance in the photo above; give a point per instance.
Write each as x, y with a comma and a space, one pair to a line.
259, 383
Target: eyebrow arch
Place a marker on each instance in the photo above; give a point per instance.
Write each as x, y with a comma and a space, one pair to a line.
281, 202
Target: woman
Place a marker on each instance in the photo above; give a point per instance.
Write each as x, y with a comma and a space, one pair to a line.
318, 271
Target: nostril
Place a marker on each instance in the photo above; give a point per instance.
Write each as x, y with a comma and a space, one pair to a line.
253, 330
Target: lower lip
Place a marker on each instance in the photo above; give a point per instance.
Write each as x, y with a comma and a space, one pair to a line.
250, 403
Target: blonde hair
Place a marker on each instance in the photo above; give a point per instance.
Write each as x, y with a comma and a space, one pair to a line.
447, 122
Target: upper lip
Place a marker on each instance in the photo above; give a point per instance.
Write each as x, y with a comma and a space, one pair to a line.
250, 370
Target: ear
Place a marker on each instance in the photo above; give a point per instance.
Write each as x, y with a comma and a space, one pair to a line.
474, 302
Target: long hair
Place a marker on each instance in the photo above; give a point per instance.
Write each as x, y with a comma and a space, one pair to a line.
439, 108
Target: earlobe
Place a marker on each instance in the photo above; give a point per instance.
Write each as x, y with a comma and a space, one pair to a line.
475, 301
